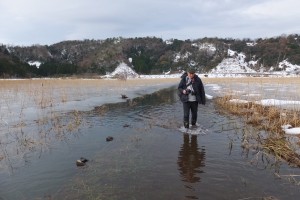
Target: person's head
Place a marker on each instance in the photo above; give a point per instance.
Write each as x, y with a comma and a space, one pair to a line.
191, 72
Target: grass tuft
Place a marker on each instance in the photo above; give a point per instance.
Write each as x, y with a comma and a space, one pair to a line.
268, 118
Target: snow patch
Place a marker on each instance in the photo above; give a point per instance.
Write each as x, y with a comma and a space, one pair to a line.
169, 42
231, 53
236, 66
288, 129
251, 44
276, 102
288, 66
178, 56
205, 46
36, 63
233, 65
168, 72
122, 71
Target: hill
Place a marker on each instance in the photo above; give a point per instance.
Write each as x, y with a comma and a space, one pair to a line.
150, 55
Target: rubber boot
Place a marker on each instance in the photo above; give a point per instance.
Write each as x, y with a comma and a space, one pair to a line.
193, 125
186, 124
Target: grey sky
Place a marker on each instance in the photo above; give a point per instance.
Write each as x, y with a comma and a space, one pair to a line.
51, 21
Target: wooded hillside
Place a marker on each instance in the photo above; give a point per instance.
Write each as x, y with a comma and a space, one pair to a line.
149, 55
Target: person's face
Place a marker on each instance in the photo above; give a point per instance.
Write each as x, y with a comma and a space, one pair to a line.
191, 75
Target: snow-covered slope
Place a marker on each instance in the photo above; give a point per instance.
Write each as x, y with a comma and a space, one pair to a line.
232, 65
235, 64
288, 67
122, 71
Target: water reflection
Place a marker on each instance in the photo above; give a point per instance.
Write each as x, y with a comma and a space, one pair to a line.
190, 159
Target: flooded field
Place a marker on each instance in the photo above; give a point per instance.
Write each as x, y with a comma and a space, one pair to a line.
46, 125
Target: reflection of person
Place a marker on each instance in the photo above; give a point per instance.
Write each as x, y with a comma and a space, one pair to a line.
191, 93
190, 159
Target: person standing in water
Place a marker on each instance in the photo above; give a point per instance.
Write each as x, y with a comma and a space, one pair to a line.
191, 93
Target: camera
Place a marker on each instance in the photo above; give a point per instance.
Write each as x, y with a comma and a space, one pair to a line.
188, 91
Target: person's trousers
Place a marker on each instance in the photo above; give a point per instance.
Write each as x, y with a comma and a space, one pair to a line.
190, 106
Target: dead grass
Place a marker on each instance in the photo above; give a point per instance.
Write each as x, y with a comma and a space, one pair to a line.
281, 149
269, 119
256, 80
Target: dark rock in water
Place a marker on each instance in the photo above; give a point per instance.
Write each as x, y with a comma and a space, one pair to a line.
109, 138
84, 160
124, 96
79, 163
126, 125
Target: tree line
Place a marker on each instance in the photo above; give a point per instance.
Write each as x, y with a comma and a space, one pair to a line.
148, 55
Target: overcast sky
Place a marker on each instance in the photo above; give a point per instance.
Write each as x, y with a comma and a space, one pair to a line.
28, 22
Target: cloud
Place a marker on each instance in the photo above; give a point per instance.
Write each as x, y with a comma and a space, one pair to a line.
274, 10
49, 21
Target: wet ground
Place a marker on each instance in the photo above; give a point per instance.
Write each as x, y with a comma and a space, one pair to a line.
149, 157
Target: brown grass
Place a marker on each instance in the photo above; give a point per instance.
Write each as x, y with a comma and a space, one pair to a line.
267, 118
281, 149
49, 92
256, 80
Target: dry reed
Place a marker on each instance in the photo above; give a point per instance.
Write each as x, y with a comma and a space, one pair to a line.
269, 119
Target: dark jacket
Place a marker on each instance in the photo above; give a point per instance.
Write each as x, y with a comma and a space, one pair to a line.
197, 86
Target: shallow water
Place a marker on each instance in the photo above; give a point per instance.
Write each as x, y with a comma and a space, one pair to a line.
150, 158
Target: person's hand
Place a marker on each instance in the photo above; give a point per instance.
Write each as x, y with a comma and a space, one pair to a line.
184, 91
